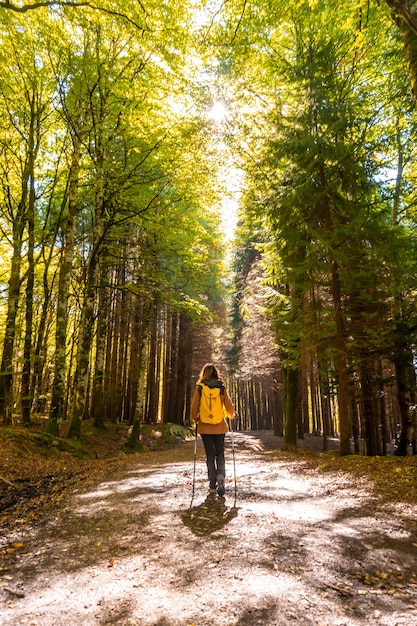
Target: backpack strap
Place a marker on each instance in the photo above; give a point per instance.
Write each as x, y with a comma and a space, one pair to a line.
200, 388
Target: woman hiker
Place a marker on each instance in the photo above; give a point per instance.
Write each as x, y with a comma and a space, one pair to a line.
209, 407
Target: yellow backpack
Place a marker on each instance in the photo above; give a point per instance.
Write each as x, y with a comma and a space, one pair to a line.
211, 404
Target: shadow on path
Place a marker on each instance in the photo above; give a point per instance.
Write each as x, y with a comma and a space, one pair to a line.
209, 516
296, 548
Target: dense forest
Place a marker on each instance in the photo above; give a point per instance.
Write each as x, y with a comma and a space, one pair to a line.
128, 132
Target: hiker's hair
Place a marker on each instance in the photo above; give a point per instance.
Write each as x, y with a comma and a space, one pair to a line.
209, 372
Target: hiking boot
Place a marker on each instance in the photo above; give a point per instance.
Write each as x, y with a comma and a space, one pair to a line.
212, 487
220, 485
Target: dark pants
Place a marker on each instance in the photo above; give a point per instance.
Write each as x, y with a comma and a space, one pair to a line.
214, 447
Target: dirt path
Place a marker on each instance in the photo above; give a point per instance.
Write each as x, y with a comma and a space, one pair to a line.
296, 548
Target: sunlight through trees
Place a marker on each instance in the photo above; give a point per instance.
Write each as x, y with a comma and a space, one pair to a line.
210, 181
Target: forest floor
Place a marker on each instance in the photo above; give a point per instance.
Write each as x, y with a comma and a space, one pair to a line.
305, 539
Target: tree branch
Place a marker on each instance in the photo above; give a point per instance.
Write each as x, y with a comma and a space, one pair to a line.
71, 4
7, 482
242, 13
239, 21
405, 13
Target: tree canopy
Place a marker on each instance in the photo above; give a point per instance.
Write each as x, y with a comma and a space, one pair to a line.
115, 282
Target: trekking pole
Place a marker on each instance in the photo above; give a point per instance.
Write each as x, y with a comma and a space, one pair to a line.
233, 455
195, 462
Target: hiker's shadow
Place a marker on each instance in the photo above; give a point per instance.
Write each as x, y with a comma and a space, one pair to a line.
209, 516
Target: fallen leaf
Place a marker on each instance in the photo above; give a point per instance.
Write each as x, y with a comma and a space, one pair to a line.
404, 596
111, 562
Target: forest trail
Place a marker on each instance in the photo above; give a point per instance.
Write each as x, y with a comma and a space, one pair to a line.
297, 547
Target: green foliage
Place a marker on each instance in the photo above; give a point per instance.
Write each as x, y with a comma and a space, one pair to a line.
154, 436
125, 151
318, 189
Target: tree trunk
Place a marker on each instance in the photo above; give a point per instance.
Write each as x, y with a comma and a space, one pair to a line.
172, 370
278, 417
113, 389
405, 14
97, 400
39, 357
167, 358
151, 413
121, 374
370, 430
291, 406
343, 395
403, 361
132, 441
178, 414
57, 409
26, 393
6, 369
133, 372
303, 417
83, 352
189, 387
324, 395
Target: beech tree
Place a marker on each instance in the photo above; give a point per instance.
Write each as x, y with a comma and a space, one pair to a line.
26, 102
124, 162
